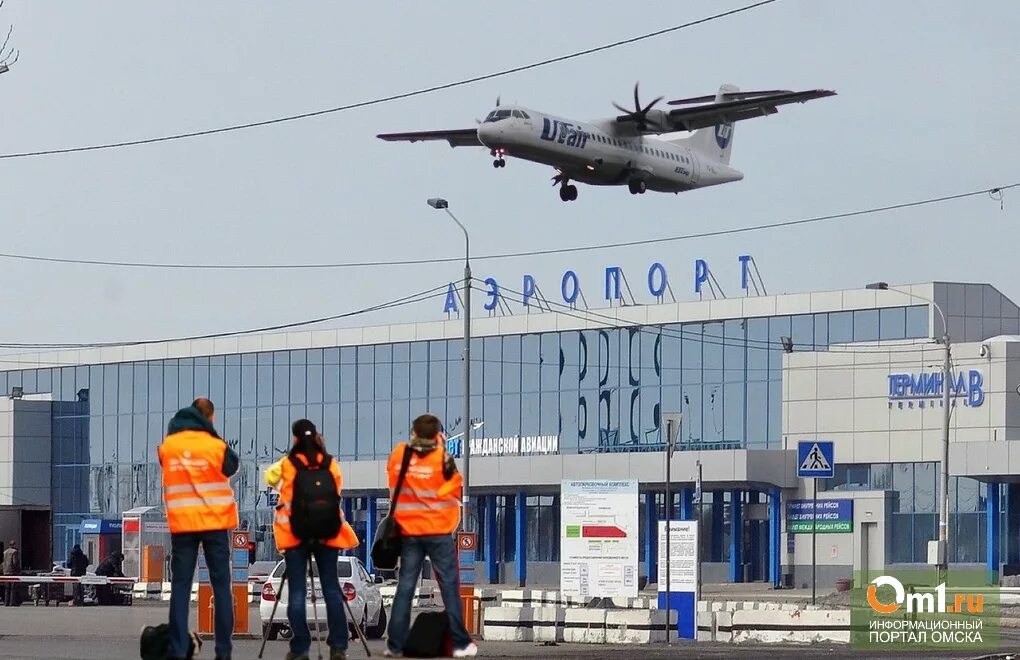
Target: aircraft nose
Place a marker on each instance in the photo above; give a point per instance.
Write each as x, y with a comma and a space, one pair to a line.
488, 134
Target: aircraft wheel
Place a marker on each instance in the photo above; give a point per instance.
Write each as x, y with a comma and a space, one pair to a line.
565, 193
495, 164
571, 193
502, 163
640, 187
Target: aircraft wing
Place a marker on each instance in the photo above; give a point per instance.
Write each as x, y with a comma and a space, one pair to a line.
728, 111
460, 137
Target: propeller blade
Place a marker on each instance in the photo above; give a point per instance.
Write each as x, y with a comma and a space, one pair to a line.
651, 105
623, 109
637, 102
497, 101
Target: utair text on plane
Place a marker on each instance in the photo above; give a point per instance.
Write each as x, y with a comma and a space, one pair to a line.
630, 149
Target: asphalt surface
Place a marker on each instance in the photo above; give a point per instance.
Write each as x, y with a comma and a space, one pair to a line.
91, 633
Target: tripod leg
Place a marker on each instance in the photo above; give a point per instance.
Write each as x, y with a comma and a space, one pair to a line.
315, 613
272, 616
357, 628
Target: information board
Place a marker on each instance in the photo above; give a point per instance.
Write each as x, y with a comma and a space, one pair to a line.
683, 559
599, 538
825, 517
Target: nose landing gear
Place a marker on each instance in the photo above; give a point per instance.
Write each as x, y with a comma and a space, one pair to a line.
498, 161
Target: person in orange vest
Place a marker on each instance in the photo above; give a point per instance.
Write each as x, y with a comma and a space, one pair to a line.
427, 513
201, 511
309, 523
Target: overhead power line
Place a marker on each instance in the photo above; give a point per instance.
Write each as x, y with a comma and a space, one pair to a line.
992, 192
387, 99
421, 296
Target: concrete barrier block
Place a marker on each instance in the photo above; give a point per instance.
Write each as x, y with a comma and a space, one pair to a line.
791, 626
706, 626
508, 624
789, 607
704, 606
723, 627
734, 605
717, 606
637, 626
749, 605
583, 626
516, 598
549, 623
770, 607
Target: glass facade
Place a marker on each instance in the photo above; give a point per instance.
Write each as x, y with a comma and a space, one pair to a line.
600, 390
914, 513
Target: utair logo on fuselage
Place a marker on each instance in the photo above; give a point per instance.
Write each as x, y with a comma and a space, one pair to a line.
554, 130
723, 133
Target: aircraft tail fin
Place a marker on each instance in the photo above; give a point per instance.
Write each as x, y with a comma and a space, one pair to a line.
716, 142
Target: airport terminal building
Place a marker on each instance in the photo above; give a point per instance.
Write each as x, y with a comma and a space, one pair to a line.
577, 394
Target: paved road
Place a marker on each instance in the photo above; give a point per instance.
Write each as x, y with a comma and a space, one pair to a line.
94, 633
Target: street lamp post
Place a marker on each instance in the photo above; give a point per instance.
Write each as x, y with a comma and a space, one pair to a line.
946, 411
441, 204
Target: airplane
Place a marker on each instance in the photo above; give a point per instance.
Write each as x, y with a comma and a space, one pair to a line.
633, 149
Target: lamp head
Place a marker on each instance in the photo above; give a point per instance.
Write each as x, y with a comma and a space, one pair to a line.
438, 203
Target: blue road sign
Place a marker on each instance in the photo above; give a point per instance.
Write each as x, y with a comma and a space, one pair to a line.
815, 459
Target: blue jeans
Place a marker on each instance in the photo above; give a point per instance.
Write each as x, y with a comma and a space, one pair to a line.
297, 586
440, 549
184, 557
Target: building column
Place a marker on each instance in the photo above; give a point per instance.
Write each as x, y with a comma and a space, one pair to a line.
348, 507
993, 525
371, 516
1012, 530
521, 547
775, 538
687, 504
651, 536
718, 521
755, 542
509, 529
492, 549
736, 538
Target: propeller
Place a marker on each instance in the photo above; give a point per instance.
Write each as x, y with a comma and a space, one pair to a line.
639, 115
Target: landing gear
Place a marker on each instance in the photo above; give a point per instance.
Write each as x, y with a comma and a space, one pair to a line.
568, 192
499, 162
637, 187
498, 154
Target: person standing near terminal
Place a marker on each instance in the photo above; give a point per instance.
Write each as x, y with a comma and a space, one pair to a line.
78, 563
201, 510
309, 523
427, 513
11, 566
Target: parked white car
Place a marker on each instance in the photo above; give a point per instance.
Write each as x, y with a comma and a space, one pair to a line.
356, 586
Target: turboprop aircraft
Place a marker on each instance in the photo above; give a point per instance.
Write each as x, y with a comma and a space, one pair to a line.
674, 150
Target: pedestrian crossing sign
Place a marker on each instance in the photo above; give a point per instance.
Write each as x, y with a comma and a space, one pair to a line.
815, 459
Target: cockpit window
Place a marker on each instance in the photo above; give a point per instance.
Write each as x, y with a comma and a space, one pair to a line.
496, 115
517, 113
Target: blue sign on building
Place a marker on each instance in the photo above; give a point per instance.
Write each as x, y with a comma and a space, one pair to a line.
820, 516
815, 459
925, 386
97, 526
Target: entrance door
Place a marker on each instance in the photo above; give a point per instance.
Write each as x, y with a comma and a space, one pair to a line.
869, 558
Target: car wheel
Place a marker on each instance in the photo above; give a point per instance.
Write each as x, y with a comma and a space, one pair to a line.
379, 629
285, 632
270, 632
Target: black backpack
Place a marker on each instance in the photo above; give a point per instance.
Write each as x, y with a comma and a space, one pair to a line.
429, 636
155, 642
315, 508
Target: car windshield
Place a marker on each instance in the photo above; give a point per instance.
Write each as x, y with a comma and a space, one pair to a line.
343, 569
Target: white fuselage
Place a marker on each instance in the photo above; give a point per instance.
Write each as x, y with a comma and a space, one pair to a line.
601, 153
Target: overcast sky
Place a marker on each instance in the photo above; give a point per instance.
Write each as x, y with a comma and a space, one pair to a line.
927, 106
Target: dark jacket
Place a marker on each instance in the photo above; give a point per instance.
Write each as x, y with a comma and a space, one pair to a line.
110, 567
77, 562
190, 419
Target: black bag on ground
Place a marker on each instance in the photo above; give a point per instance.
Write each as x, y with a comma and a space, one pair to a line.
429, 636
315, 508
387, 543
155, 643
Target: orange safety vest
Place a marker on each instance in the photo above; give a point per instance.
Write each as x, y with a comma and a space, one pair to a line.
428, 503
285, 539
197, 494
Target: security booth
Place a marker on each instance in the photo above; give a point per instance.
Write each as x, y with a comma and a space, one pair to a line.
100, 538
146, 541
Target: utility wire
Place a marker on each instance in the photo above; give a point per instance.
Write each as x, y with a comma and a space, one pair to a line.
515, 255
388, 99
421, 296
